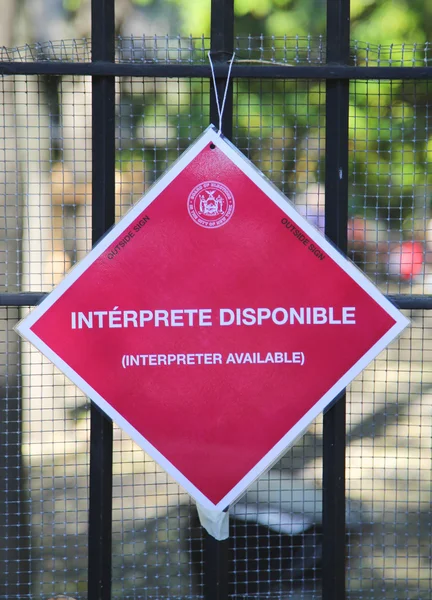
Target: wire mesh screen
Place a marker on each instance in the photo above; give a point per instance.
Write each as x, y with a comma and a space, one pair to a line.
388, 470
390, 201
276, 528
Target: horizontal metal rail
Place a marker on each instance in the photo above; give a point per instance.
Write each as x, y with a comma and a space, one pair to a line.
402, 301
272, 71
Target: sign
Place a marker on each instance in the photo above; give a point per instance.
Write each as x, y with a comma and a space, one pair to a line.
213, 323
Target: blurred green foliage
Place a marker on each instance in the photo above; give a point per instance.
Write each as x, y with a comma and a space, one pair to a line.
280, 124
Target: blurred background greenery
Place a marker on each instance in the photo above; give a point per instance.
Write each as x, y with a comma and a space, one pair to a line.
279, 125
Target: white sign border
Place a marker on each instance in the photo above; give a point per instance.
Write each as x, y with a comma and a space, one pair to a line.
210, 136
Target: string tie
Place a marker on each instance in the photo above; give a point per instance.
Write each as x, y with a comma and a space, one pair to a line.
221, 107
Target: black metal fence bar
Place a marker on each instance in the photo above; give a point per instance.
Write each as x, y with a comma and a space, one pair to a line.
276, 71
336, 219
403, 301
216, 552
222, 46
103, 216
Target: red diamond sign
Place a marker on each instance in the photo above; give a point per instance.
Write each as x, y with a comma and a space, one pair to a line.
213, 323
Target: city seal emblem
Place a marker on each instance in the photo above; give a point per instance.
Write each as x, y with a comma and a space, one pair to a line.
211, 204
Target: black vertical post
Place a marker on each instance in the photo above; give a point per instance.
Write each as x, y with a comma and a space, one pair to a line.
216, 553
221, 50
336, 217
103, 214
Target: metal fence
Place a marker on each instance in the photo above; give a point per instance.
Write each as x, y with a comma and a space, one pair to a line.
85, 129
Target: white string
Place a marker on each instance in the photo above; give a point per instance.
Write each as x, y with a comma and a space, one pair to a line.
220, 108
